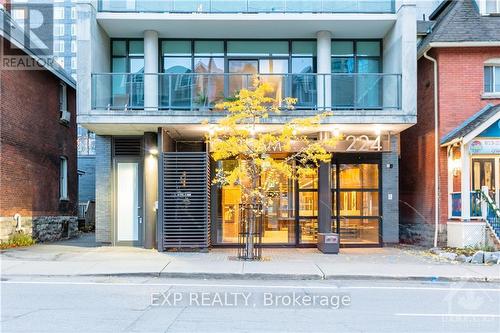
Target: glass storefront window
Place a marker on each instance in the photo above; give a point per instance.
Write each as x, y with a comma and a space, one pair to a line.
355, 203
359, 231
308, 231
359, 176
308, 181
279, 220
308, 203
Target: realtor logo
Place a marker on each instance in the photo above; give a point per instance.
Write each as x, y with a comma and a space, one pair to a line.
31, 24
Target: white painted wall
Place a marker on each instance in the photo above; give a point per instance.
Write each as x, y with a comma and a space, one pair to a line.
93, 53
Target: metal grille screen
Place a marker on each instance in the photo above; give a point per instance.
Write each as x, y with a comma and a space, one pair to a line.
127, 146
186, 200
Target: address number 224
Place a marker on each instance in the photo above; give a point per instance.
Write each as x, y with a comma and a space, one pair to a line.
365, 144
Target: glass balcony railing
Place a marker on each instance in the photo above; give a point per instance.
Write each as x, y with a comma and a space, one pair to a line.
249, 6
201, 92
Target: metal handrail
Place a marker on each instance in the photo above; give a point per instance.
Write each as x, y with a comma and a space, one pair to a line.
492, 220
349, 91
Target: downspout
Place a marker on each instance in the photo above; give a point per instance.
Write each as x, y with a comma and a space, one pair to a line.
436, 148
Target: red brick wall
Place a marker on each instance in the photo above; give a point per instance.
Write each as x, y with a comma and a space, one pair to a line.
417, 154
460, 75
32, 141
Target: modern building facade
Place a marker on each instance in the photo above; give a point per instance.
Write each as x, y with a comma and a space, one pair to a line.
458, 71
150, 73
38, 180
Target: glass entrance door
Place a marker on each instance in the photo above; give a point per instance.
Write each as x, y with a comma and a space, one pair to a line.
356, 203
128, 226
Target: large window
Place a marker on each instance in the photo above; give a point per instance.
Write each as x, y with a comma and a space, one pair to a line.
128, 62
279, 219
177, 60
362, 58
492, 79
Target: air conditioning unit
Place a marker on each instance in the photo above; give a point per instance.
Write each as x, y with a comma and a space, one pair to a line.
65, 117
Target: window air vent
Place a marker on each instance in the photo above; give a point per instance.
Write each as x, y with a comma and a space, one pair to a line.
127, 147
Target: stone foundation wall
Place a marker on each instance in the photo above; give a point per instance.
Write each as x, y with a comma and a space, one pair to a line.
421, 234
42, 228
52, 228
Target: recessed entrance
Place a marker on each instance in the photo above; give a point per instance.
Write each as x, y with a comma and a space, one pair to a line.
356, 208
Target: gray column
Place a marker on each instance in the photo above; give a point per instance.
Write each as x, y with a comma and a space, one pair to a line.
150, 188
103, 189
390, 193
150, 69
324, 192
324, 64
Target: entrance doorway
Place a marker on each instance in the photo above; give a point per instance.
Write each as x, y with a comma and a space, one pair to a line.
356, 206
128, 216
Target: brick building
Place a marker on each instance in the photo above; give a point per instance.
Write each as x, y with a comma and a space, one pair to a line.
38, 166
463, 38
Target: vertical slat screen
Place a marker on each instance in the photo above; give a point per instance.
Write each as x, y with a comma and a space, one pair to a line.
186, 200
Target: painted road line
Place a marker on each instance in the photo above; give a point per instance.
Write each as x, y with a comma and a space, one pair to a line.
136, 284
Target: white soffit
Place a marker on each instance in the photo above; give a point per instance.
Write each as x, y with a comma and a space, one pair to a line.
132, 25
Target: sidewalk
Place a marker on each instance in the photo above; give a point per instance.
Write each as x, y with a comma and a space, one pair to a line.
81, 257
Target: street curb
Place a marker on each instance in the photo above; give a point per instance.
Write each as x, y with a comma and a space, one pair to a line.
265, 276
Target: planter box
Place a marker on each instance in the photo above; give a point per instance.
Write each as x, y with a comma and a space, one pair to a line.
466, 234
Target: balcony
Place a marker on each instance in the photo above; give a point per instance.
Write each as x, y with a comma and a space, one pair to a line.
248, 6
169, 93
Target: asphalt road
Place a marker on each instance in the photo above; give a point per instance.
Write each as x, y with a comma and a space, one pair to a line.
160, 305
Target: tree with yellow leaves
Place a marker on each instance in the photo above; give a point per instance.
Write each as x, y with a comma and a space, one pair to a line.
241, 136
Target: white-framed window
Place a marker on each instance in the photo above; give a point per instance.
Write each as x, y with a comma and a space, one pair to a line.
73, 63
492, 78
490, 7
73, 46
63, 178
58, 29
63, 97
73, 30
73, 13
58, 13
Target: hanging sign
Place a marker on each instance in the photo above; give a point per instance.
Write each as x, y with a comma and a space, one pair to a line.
485, 147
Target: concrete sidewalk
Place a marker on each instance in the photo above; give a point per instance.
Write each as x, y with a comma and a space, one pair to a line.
82, 257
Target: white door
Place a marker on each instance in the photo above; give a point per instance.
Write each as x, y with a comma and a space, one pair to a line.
128, 210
